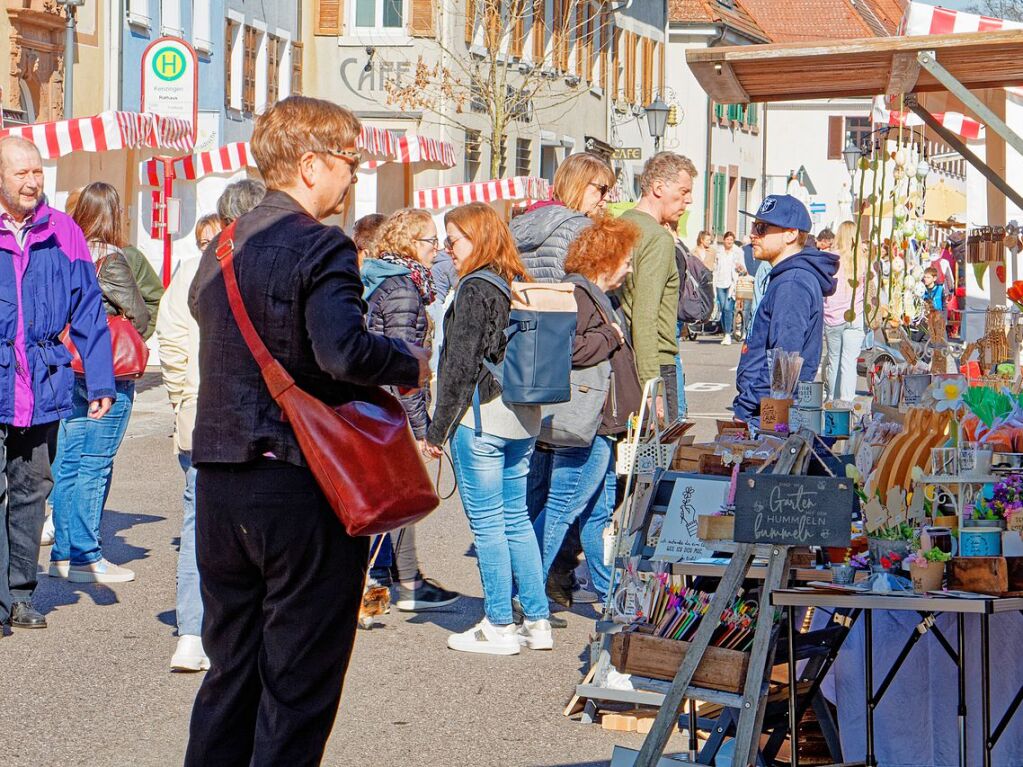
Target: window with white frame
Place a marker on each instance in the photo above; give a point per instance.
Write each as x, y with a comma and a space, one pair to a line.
202, 32
170, 17
262, 71
138, 13
380, 16
233, 63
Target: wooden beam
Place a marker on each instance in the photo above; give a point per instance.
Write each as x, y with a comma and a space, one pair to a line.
904, 73
728, 85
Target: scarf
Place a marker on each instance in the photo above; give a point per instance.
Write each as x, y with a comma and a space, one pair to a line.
421, 276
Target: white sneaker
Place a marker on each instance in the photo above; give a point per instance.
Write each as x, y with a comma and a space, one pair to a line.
100, 572
727, 340
536, 635
487, 639
189, 654
46, 539
59, 569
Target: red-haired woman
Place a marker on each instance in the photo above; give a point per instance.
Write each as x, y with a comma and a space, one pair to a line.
583, 477
491, 457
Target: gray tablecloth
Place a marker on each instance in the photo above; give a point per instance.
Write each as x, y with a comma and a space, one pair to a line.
915, 723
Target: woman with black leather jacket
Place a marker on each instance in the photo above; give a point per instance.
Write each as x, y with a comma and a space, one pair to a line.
85, 446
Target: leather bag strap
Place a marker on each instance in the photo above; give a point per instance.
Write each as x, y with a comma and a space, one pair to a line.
276, 377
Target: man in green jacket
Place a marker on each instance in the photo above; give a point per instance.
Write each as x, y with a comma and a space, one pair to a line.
650, 294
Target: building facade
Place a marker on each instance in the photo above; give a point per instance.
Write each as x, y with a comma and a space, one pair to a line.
513, 85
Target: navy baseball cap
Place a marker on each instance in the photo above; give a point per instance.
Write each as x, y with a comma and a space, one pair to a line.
783, 210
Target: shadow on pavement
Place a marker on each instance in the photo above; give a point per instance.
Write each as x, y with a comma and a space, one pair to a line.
460, 616
55, 592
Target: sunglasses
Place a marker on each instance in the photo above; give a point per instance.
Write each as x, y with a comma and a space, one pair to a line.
602, 188
760, 228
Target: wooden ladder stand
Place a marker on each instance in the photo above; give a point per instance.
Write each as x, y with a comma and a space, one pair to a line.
752, 702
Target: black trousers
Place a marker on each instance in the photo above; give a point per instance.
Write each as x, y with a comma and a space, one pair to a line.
281, 585
25, 484
670, 393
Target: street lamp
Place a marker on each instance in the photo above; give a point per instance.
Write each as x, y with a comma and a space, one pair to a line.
851, 154
657, 120
70, 7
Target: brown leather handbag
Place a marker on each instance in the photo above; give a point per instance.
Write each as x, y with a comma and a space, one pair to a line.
362, 453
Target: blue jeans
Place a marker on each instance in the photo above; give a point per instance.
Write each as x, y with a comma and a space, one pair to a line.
81, 473
582, 487
727, 309
491, 473
189, 602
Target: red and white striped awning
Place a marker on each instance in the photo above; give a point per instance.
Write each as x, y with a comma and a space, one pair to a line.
382, 145
105, 132
516, 188
956, 122
922, 19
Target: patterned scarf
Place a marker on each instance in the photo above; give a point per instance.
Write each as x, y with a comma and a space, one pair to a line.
420, 275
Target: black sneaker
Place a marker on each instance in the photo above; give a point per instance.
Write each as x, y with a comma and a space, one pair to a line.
519, 616
428, 596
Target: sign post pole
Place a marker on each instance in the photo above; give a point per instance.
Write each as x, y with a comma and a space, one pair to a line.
168, 191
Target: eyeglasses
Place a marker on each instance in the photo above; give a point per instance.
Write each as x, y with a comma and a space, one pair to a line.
602, 188
351, 156
432, 240
449, 242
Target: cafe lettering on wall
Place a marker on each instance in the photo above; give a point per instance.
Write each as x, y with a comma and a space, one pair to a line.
361, 81
628, 153
794, 510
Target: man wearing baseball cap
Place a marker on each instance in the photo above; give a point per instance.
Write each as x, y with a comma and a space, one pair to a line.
791, 314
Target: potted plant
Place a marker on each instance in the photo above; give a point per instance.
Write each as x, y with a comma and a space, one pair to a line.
886, 541
927, 569
1005, 501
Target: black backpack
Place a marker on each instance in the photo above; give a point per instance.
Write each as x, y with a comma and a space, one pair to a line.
696, 287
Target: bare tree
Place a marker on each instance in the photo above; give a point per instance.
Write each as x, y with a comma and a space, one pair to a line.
496, 83
1000, 9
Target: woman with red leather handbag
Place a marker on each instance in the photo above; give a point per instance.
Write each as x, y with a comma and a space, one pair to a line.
86, 446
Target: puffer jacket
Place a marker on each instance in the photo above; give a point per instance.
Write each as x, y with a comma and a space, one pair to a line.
150, 285
57, 282
397, 310
542, 235
121, 294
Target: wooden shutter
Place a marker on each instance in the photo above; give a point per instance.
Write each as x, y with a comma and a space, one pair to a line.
249, 52
605, 29
631, 43
470, 20
273, 66
646, 94
539, 31
329, 17
518, 32
228, 49
296, 68
836, 138
421, 19
492, 22
616, 62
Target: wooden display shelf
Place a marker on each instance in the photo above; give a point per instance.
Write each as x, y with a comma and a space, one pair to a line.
659, 658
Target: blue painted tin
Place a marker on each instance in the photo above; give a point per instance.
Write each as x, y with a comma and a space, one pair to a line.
980, 542
837, 423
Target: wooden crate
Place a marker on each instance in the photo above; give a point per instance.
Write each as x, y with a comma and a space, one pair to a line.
711, 527
986, 575
657, 658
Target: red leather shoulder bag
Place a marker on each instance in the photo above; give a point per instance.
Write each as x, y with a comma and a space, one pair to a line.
362, 453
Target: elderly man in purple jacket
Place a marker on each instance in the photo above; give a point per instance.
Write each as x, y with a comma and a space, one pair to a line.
47, 281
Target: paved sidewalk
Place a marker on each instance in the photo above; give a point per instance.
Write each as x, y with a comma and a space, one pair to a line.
94, 688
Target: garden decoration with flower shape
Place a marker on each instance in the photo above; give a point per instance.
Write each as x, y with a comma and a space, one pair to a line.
1003, 500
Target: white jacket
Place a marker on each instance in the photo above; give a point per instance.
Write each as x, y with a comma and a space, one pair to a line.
178, 335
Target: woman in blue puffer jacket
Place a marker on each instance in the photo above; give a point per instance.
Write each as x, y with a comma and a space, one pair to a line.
399, 287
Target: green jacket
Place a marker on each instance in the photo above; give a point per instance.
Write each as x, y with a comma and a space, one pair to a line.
650, 296
149, 284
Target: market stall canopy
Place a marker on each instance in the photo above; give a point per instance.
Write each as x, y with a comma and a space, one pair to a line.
105, 132
849, 68
943, 202
511, 189
379, 145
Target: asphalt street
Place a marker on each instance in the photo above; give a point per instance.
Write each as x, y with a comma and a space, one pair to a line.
94, 689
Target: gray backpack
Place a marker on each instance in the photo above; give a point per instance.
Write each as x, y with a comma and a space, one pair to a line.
575, 423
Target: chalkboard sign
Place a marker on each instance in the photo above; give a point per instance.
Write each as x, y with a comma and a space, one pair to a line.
793, 510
